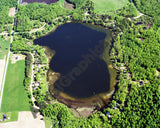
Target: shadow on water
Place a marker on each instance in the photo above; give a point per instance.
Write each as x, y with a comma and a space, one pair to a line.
82, 71
92, 81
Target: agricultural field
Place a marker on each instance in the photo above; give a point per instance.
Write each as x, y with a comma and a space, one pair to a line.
14, 94
106, 6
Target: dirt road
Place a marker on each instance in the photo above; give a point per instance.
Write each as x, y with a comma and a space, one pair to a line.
2, 67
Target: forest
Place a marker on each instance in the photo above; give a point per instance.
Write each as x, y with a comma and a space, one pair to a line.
135, 55
148, 7
138, 49
9, 3
5, 5
32, 14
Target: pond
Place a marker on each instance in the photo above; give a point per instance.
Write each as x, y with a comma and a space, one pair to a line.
39, 1
81, 63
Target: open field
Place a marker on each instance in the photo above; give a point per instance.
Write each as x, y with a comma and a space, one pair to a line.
12, 12
14, 95
4, 51
108, 6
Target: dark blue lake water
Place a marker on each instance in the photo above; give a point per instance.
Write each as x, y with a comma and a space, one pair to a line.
78, 59
39, 1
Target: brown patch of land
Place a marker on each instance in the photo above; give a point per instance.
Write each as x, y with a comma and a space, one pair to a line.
68, 5
110, 66
83, 111
12, 12
52, 77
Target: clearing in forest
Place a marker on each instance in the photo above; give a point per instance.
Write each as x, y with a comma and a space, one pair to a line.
12, 12
108, 6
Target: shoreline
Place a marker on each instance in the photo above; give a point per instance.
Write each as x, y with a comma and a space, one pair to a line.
101, 99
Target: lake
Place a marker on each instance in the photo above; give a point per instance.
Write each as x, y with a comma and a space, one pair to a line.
81, 62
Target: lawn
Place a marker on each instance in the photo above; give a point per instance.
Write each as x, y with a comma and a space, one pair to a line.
14, 95
4, 47
108, 6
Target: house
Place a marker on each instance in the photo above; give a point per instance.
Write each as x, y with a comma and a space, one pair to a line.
141, 82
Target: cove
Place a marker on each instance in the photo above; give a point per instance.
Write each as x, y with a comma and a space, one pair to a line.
81, 64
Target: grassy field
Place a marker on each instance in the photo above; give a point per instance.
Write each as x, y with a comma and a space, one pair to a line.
4, 47
14, 95
108, 6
